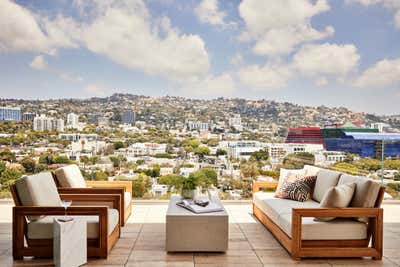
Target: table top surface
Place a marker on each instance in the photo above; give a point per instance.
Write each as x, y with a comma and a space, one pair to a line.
175, 210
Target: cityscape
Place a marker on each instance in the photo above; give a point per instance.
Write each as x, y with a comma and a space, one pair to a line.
233, 141
199, 133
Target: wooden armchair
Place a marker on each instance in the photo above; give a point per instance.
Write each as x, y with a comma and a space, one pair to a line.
69, 180
37, 203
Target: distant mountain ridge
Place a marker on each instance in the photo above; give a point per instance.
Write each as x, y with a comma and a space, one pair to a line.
170, 110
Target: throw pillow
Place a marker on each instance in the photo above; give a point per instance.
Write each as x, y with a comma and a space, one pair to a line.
336, 197
299, 189
288, 174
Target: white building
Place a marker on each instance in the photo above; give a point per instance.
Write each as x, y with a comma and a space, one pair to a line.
72, 121
236, 122
197, 125
159, 189
42, 123
146, 149
58, 125
278, 151
327, 158
77, 136
241, 149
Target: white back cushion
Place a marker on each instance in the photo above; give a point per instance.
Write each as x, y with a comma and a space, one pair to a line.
70, 176
325, 180
38, 190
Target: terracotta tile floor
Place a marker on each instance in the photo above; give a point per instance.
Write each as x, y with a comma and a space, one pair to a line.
250, 244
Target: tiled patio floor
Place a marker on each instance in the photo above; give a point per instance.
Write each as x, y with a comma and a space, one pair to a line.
250, 244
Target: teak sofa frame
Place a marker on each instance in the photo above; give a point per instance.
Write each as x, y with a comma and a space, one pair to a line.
299, 248
96, 247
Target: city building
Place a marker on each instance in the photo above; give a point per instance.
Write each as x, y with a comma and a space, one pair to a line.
72, 121
278, 151
129, 117
236, 122
241, 149
197, 125
103, 121
77, 136
146, 149
305, 135
27, 116
10, 114
44, 123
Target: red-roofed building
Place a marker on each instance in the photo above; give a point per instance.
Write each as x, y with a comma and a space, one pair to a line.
305, 135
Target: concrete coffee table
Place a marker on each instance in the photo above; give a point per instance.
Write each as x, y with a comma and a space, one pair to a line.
188, 231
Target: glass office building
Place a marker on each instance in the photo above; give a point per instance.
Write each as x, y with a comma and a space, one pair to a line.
10, 114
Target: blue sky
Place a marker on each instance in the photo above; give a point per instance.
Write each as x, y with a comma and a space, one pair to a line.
312, 52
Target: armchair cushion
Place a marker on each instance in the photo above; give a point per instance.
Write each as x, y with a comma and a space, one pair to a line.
336, 197
43, 228
325, 180
70, 176
127, 200
38, 190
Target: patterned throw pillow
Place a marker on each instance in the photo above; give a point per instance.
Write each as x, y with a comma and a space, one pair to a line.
299, 189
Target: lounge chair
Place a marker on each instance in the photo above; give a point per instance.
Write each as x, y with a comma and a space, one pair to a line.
69, 180
37, 203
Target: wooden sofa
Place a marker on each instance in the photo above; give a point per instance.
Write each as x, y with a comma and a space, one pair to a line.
37, 203
292, 223
69, 180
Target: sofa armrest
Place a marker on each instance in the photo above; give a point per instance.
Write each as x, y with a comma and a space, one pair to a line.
257, 185
375, 225
127, 185
115, 199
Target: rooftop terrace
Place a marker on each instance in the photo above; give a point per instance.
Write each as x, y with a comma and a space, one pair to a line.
142, 242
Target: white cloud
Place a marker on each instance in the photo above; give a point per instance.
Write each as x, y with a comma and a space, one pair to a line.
39, 63
268, 77
21, 31
326, 58
283, 40
278, 26
393, 5
127, 36
93, 90
384, 73
71, 77
207, 12
237, 60
321, 82
211, 86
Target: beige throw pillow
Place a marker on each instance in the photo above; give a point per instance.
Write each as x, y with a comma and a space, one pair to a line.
337, 197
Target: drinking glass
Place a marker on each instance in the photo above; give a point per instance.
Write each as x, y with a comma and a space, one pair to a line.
66, 204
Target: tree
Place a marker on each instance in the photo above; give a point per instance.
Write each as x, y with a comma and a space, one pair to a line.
40, 167
261, 155
140, 185
84, 159
100, 176
202, 151
205, 177
94, 159
28, 164
221, 152
298, 160
172, 180
7, 155
346, 168
8, 177
62, 160
118, 145
249, 170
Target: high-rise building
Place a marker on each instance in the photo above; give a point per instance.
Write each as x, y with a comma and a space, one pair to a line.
128, 117
10, 114
236, 122
27, 116
73, 121
58, 125
44, 123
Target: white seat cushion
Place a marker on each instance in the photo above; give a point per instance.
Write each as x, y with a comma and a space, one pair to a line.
43, 228
127, 200
38, 190
280, 212
338, 229
70, 176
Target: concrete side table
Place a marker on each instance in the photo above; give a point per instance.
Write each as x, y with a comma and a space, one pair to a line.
187, 231
70, 243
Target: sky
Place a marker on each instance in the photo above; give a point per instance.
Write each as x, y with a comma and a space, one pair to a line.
309, 52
